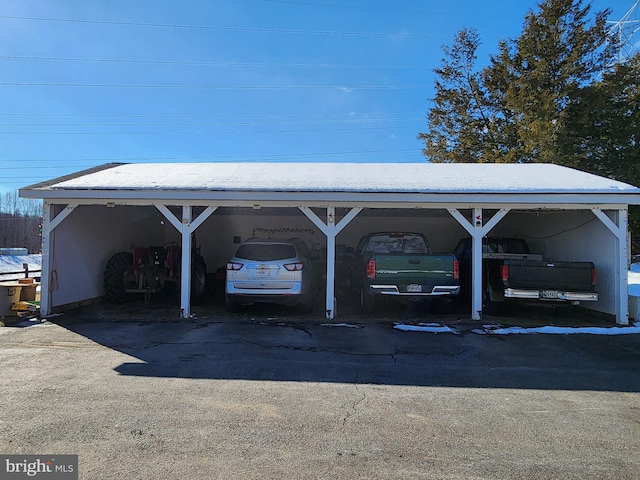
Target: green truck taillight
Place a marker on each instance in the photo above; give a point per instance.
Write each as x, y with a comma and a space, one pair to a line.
456, 270
371, 269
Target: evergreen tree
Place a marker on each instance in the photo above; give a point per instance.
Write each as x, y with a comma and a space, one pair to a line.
461, 118
555, 94
514, 110
558, 53
603, 128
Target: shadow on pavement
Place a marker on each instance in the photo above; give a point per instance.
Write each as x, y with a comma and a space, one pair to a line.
259, 345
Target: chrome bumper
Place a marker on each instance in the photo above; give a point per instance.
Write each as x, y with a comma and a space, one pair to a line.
551, 295
393, 290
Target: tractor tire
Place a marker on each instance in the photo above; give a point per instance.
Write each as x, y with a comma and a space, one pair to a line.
198, 280
113, 280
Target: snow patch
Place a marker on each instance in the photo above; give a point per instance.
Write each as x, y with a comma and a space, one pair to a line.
633, 280
635, 329
346, 325
425, 327
14, 263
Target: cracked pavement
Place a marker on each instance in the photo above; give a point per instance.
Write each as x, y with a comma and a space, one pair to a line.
232, 396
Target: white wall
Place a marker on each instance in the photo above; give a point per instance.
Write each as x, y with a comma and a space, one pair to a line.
216, 235
569, 235
87, 238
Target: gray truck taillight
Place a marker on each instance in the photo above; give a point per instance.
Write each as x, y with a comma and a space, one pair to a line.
504, 272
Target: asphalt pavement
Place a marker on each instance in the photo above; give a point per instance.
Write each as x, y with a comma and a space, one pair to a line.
267, 394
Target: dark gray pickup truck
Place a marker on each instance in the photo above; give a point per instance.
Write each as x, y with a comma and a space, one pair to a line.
512, 272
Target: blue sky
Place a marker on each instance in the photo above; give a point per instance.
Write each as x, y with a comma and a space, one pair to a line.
86, 83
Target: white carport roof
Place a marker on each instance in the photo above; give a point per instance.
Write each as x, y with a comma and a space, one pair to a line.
338, 182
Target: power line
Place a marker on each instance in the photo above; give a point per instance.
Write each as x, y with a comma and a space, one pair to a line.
226, 29
215, 64
267, 157
268, 115
46, 167
303, 157
216, 87
212, 132
180, 125
396, 10
354, 7
212, 124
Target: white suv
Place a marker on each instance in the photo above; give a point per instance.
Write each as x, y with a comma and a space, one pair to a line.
270, 271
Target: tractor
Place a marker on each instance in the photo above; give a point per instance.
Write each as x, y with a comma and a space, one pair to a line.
150, 270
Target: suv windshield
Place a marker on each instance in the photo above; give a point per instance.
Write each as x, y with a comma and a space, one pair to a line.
266, 252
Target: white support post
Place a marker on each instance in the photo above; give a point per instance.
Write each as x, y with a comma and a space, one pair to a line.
170, 216
331, 230
186, 227
622, 312
476, 265
48, 280
478, 231
47, 250
185, 279
331, 264
622, 257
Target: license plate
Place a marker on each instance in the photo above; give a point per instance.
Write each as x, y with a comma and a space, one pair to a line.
549, 294
263, 272
414, 287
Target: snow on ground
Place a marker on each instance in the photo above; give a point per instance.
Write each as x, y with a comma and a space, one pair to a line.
346, 325
13, 263
493, 330
634, 280
425, 327
634, 329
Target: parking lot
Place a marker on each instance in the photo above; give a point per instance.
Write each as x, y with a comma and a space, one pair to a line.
139, 393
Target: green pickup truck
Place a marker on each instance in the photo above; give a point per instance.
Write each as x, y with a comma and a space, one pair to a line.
401, 265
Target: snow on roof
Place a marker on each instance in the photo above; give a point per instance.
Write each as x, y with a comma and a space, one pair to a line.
340, 177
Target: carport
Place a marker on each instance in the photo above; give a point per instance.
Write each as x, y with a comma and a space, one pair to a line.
567, 213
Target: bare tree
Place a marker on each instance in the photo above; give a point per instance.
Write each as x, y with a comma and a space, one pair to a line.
20, 222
